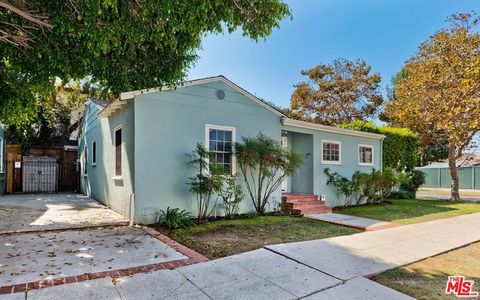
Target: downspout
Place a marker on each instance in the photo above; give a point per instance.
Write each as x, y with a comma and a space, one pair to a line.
132, 210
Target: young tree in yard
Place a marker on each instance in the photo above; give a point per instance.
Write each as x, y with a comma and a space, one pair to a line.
441, 89
337, 93
207, 181
122, 45
264, 163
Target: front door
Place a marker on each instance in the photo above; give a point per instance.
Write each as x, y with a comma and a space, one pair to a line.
284, 145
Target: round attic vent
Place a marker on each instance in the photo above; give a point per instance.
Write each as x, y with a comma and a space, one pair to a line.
220, 94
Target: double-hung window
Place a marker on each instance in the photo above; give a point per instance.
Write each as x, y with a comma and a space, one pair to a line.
365, 155
94, 153
331, 152
220, 141
118, 151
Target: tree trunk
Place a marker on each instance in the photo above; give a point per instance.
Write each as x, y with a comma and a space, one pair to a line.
452, 164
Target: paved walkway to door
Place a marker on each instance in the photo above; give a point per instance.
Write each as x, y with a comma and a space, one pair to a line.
37, 212
321, 269
352, 221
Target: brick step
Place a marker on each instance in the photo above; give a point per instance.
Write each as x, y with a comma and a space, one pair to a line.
312, 211
306, 202
301, 205
299, 198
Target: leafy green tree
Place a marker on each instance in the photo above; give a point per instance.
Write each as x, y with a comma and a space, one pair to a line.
263, 164
337, 93
122, 45
441, 89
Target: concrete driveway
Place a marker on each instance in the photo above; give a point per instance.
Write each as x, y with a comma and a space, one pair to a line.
35, 212
31, 257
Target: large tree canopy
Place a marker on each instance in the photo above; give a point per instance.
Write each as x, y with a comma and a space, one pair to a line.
440, 89
340, 92
122, 45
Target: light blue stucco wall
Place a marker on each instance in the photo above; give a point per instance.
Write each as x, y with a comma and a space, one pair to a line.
100, 181
169, 124
349, 160
2, 150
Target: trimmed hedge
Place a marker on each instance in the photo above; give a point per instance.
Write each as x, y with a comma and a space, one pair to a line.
399, 145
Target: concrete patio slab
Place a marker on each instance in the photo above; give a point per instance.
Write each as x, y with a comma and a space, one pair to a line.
35, 212
352, 221
94, 289
155, 285
359, 288
36, 256
370, 253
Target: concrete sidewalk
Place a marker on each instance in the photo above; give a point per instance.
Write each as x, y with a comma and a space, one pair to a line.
321, 269
373, 252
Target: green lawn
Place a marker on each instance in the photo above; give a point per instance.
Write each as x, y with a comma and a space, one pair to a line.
426, 279
411, 211
228, 237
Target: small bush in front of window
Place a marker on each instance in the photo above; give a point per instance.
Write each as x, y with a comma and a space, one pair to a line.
231, 194
174, 218
207, 181
373, 187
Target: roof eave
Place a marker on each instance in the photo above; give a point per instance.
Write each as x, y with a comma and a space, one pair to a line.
331, 129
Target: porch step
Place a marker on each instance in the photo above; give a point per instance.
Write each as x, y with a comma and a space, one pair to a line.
304, 204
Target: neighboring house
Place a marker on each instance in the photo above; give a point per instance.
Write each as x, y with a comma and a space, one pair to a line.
2, 159
138, 145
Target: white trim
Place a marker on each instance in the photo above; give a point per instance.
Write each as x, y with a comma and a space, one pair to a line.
331, 129
94, 162
234, 140
2, 156
373, 155
132, 94
332, 162
115, 152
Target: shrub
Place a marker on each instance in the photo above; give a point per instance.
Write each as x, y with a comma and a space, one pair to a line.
263, 164
231, 195
174, 218
413, 181
399, 145
351, 189
373, 187
400, 195
208, 180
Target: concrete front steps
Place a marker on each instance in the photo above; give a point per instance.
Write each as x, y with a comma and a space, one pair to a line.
304, 204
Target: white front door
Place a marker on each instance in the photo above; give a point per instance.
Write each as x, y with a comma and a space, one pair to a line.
284, 145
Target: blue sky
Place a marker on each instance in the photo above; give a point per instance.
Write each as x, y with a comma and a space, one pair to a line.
383, 33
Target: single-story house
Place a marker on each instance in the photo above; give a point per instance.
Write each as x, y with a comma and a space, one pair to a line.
2, 159
135, 147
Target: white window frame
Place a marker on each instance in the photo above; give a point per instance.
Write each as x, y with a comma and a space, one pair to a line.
115, 176
332, 162
94, 162
373, 154
2, 156
234, 140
